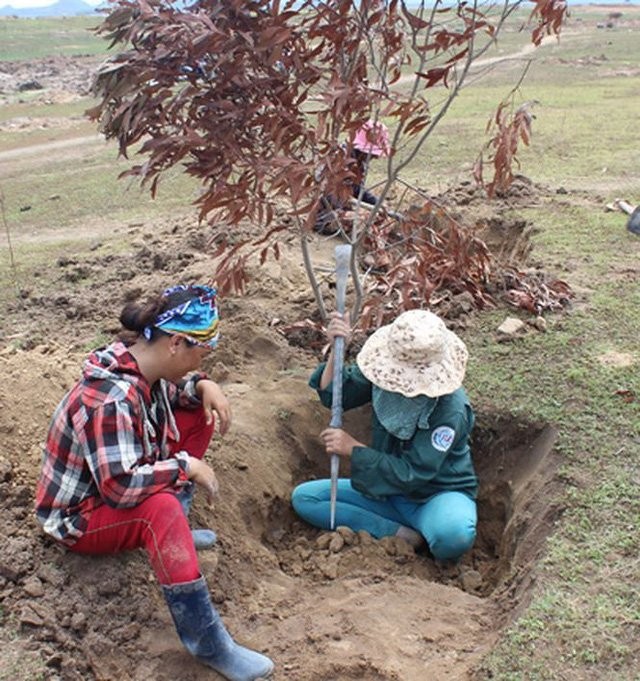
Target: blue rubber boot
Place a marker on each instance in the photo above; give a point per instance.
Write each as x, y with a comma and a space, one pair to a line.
204, 635
202, 539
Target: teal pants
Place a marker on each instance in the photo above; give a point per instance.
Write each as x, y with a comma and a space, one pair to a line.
446, 520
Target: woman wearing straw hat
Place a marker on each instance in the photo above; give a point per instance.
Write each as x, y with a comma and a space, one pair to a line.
416, 480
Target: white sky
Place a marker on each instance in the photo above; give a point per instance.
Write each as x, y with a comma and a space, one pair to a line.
19, 4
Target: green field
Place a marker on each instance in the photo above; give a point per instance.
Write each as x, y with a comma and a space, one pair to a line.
38, 38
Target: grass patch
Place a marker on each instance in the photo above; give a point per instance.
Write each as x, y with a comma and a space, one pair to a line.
582, 622
44, 37
35, 134
61, 194
24, 109
568, 118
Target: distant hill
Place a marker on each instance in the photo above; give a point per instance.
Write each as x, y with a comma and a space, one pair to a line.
66, 8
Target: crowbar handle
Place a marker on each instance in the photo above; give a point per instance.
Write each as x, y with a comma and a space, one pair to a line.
343, 262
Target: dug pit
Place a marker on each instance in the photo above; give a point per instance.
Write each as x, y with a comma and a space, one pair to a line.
516, 465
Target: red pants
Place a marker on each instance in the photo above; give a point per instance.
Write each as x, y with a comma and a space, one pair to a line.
158, 523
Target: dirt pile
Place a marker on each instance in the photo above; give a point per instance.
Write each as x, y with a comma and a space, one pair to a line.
59, 78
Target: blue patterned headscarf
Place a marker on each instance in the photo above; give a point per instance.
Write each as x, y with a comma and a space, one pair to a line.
196, 318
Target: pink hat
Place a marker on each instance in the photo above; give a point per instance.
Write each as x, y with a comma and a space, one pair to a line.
372, 138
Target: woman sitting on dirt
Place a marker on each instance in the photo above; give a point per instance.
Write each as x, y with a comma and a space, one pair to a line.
416, 480
124, 450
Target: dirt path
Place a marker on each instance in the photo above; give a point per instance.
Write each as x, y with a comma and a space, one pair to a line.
484, 62
86, 141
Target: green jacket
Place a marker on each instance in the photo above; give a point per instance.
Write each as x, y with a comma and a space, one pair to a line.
435, 458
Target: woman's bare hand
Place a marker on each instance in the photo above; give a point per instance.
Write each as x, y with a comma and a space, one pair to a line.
338, 441
339, 326
201, 473
213, 399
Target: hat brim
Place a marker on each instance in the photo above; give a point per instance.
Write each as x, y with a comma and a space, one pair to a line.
412, 379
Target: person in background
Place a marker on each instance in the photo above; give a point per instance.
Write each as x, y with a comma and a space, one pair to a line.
370, 141
416, 479
125, 449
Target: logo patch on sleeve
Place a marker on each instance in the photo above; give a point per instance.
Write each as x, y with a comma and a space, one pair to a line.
442, 438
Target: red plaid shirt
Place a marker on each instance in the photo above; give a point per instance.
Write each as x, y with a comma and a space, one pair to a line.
108, 443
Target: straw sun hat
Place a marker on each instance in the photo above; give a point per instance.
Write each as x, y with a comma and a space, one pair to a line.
414, 355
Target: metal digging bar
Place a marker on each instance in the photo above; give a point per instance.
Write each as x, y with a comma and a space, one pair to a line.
343, 261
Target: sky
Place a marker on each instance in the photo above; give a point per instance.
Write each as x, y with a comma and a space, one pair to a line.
20, 4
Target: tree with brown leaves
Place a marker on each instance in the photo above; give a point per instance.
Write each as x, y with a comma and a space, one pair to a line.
259, 100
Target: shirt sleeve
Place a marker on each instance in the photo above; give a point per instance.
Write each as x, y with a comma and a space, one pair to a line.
367, 197
376, 473
356, 389
115, 455
184, 393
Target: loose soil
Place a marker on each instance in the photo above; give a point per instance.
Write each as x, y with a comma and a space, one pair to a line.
324, 606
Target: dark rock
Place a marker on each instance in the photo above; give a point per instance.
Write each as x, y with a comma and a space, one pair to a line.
160, 261
16, 558
22, 495
78, 621
36, 613
55, 661
471, 580
77, 274
33, 587
6, 470
30, 85
52, 575
109, 586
